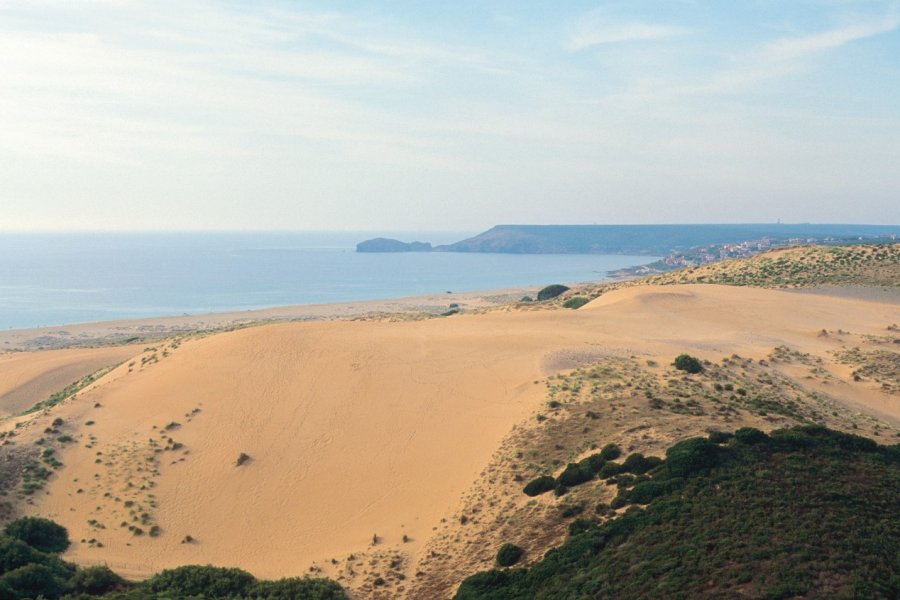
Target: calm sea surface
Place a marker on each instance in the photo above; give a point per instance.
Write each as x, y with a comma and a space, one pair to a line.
54, 279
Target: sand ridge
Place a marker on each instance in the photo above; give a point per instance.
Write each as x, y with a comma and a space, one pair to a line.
27, 378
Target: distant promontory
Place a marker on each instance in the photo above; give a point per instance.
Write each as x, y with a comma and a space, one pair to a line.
650, 240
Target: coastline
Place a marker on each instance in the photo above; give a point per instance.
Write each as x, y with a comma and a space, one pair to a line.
125, 331
147, 329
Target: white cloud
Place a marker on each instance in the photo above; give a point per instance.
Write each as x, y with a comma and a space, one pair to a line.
595, 29
799, 47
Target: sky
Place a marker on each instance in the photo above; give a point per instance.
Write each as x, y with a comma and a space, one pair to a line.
412, 115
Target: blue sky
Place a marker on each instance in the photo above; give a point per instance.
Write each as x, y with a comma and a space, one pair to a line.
120, 115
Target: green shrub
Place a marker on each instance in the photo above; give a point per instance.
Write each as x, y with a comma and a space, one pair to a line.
540, 485
692, 456
551, 291
610, 469
206, 581
638, 464
575, 474
647, 491
15, 553
97, 580
33, 581
719, 437
750, 436
576, 302
610, 452
296, 588
40, 533
509, 554
580, 526
593, 463
688, 363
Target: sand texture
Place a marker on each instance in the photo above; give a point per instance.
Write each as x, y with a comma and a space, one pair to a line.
27, 378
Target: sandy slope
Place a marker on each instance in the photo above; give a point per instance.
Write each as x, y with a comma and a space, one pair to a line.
29, 377
362, 428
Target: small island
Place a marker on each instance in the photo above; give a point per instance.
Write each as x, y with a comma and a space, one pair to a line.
389, 245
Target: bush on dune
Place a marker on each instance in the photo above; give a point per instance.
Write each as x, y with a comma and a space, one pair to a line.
551, 291
42, 534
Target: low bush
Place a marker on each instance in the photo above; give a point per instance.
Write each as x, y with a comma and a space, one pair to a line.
638, 464
610, 452
750, 436
196, 580
688, 363
97, 580
551, 291
508, 555
296, 588
33, 581
594, 463
540, 485
576, 302
42, 534
609, 469
575, 474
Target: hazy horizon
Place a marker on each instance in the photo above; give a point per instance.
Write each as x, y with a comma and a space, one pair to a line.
122, 115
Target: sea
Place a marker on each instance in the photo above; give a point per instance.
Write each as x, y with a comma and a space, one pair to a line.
49, 279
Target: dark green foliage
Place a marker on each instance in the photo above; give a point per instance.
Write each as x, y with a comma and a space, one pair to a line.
551, 291
646, 491
42, 534
593, 463
686, 362
32, 581
97, 580
691, 456
750, 436
15, 553
28, 572
571, 510
540, 485
195, 580
610, 469
580, 526
296, 588
638, 464
719, 437
806, 512
575, 474
610, 452
576, 302
508, 555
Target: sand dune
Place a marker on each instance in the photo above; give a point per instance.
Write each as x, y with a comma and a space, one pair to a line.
362, 428
27, 378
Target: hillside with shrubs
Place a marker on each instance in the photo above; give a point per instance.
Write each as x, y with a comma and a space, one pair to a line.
803, 512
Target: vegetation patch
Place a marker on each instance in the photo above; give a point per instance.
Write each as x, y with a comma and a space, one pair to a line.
804, 512
31, 568
551, 291
70, 390
576, 302
688, 363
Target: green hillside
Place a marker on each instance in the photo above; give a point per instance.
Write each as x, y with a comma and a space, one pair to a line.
808, 266
806, 512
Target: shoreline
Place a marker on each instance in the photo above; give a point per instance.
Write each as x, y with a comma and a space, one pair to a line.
147, 329
123, 331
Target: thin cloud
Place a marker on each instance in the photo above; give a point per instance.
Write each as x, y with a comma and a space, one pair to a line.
798, 47
595, 30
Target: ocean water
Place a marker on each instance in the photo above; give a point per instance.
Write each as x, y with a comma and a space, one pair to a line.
55, 279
